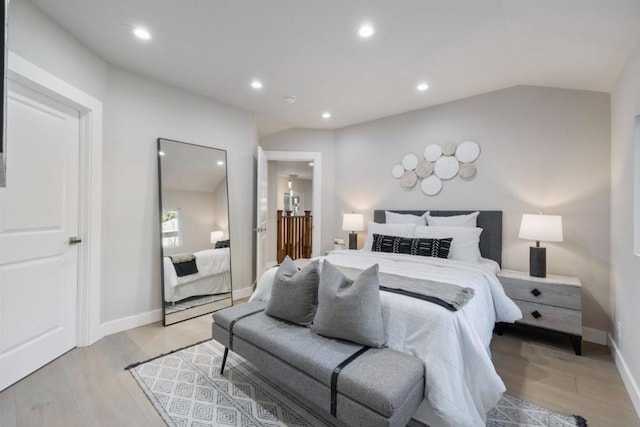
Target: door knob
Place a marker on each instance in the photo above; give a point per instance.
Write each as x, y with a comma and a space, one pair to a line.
74, 240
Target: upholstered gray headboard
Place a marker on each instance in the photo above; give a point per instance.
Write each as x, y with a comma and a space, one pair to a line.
489, 221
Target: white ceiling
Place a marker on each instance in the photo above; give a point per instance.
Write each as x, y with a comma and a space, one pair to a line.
311, 49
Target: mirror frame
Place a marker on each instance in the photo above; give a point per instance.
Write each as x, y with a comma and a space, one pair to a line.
160, 208
3, 105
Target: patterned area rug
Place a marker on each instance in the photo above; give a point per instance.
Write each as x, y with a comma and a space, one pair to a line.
187, 390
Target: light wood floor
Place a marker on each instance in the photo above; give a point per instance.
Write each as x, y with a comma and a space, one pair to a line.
89, 386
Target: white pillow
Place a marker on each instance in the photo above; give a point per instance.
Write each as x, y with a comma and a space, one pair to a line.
396, 218
470, 220
401, 230
465, 245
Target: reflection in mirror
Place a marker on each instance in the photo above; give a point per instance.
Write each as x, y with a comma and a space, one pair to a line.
194, 230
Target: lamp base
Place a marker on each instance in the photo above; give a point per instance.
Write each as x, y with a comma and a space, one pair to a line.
353, 241
537, 261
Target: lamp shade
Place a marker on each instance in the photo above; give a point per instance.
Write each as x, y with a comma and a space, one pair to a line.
353, 222
216, 235
541, 228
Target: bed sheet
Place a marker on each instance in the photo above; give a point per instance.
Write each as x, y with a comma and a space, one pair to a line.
210, 263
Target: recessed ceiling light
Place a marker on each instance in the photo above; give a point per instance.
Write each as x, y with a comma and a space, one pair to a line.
142, 33
220, 163
422, 87
326, 115
161, 153
256, 84
366, 30
310, 163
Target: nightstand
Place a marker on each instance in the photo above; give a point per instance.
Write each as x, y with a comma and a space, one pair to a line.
551, 303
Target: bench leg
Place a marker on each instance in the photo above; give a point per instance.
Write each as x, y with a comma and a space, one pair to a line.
224, 360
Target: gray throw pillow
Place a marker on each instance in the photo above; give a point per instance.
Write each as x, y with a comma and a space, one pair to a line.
350, 309
294, 293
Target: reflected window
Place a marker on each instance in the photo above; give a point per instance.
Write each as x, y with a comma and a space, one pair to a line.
171, 228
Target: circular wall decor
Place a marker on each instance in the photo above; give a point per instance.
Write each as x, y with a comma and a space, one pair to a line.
433, 152
468, 151
446, 167
431, 185
449, 149
467, 170
397, 171
410, 161
424, 168
409, 179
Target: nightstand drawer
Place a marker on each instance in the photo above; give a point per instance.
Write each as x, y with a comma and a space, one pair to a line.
550, 317
544, 293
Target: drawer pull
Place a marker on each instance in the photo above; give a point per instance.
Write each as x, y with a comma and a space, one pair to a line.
536, 314
536, 292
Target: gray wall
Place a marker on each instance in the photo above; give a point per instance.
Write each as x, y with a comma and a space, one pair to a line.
137, 111
321, 141
625, 266
36, 38
542, 149
197, 219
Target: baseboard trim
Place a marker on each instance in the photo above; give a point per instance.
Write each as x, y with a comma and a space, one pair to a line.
596, 336
242, 293
629, 382
130, 322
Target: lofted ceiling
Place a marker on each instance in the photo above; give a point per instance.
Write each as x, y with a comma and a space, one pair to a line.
312, 50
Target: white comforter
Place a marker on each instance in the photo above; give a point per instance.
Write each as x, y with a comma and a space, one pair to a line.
461, 382
209, 262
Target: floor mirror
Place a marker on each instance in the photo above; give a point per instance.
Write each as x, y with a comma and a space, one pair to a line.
194, 230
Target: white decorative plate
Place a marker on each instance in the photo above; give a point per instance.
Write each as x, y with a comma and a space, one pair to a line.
431, 185
410, 161
433, 152
468, 151
446, 167
397, 171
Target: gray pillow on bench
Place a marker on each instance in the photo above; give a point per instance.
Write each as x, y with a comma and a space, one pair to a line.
350, 309
294, 293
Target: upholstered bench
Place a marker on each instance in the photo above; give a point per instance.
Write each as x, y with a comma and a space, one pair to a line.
358, 385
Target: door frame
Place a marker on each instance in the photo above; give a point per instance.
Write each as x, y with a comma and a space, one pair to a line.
33, 77
316, 158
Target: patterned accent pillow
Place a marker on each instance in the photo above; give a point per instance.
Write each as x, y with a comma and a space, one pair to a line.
222, 244
438, 248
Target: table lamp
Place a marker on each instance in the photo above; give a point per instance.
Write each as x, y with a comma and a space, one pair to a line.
353, 222
545, 228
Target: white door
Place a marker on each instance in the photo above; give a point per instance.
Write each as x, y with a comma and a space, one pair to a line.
261, 213
38, 215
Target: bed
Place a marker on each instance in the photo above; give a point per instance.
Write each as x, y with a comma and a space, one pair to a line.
461, 381
213, 276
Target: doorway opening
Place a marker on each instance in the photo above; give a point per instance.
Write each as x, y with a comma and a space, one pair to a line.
293, 205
